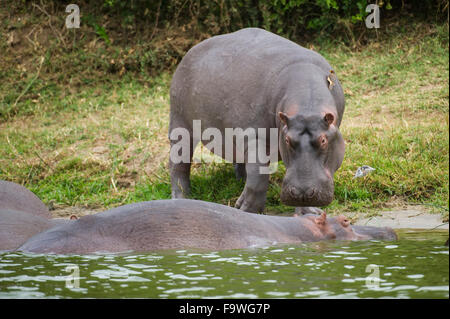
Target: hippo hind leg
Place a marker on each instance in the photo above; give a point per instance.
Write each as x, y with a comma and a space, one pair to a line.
180, 179
180, 172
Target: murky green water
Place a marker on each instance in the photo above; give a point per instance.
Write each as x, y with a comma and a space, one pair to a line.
416, 266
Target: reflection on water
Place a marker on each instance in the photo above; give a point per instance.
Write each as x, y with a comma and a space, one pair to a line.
416, 266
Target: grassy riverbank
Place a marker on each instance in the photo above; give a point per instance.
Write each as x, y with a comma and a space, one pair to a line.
101, 142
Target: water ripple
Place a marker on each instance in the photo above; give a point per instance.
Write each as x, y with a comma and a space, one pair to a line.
407, 269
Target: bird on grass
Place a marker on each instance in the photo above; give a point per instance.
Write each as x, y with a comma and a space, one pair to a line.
363, 171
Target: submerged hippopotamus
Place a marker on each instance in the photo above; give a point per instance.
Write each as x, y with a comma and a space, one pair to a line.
184, 223
22, 215
254, 79
16, 227
16, 197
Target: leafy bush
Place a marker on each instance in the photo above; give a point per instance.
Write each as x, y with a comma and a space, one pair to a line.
291, 18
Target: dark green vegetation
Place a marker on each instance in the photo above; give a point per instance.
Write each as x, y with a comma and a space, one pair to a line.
84, 113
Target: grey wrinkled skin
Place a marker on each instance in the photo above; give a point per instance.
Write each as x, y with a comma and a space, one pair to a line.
184, 223
255, 79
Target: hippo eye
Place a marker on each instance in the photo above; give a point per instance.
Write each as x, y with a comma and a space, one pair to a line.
288, 141
345, 222
323, 141
292, 143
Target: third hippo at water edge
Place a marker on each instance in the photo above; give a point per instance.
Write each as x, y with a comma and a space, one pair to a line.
249, 84
22, 215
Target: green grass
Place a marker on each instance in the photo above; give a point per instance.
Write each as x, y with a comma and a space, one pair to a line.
103, 141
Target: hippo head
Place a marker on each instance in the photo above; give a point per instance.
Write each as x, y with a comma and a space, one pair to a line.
339, 228
312, 149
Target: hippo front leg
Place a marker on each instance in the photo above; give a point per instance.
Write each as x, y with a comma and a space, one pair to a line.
179, 177
253, 198
308, 210
239, 170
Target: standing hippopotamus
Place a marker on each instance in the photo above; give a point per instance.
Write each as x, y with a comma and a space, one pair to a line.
22, 215
184, 223
258, 80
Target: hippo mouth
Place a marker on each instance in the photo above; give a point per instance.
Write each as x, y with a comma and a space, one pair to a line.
312, 197
370, 232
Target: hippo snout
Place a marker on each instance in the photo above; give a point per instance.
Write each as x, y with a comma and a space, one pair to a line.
384, 233
295, 192
303, 195
307, 196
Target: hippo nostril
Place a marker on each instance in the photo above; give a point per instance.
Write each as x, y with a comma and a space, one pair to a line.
310, 193
294, 191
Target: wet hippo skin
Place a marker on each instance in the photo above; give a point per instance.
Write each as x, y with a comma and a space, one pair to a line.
17, 227
183, 223
22, 215
16, 197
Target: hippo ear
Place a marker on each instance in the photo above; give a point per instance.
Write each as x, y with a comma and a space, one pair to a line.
331, 78
283, 118
329, 118
321, 220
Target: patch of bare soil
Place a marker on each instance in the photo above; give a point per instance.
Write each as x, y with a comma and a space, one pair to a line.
58, 211
409, 218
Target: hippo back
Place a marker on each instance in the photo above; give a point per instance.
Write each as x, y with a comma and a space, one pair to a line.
158, 225
16, 197
229, 75
182, 224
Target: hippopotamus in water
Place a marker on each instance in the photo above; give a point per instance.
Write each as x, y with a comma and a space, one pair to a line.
184, 223
16, 227
22, 215
254, 79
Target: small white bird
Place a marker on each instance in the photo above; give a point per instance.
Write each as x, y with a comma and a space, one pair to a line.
363, 171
